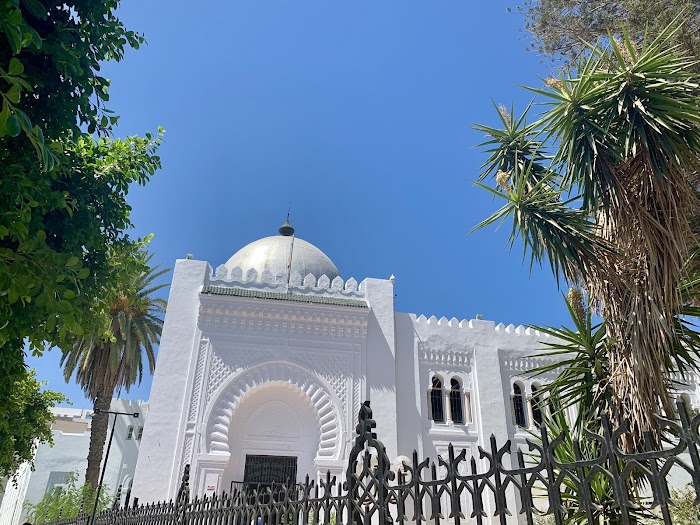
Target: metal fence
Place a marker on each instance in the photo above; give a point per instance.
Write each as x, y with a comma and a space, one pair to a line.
567, 480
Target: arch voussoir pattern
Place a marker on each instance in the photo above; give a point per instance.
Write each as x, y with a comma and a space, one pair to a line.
318, 395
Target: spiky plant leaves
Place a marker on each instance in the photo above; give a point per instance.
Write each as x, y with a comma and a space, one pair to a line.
616, 209
578, 359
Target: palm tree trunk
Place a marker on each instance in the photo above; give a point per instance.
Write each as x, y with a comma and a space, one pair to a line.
98, 436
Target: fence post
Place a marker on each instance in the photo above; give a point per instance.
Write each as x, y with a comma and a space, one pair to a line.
365, 442
691, 438
183, 496
117, 498
619, 485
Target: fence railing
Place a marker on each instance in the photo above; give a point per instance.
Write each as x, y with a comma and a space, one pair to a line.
567, 479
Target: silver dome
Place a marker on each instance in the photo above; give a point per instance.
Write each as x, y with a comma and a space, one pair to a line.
272, 253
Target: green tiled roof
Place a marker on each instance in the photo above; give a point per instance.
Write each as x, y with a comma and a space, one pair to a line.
279, 296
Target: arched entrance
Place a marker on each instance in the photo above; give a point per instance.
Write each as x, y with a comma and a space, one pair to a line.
274, 436
276, 409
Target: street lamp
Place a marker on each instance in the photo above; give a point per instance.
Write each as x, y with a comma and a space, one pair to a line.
109, 445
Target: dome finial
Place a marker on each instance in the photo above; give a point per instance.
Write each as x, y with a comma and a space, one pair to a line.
286, 229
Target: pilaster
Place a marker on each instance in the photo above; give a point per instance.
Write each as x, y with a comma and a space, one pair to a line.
156, 476
381, 361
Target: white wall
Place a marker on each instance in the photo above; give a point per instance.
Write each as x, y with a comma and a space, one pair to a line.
69, 454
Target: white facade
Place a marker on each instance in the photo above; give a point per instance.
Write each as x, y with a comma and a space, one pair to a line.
257, 361
71, 441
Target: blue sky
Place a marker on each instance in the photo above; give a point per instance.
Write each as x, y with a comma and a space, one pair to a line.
357, 113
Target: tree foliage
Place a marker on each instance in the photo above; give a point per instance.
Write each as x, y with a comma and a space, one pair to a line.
67, 501
100, 365
612, 206
563, 29
63, 204
30, 424
573, 403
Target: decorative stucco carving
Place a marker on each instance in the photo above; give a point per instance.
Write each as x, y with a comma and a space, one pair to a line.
249, 317
218, 373
338, 364
432, 355
323, 401
295, 282
519, 363
198, 378
187, 449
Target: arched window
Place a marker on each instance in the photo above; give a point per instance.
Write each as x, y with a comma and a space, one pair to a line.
537, 405
437, 408
518, 405
456, 402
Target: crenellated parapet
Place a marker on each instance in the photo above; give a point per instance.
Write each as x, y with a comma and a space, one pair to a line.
477, 325
291, 284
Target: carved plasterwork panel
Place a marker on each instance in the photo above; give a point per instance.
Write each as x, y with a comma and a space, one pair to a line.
442, 356
321, 398
340, 369
251, 317
523, 363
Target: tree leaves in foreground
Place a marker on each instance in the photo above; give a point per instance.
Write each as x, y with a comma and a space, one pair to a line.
611, 205
63, 205
30, 424
67, 502
563, 29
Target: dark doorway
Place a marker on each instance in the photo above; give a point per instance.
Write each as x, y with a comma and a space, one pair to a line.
268, 470
269, 478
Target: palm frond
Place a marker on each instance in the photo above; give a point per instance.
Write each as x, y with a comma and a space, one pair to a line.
136, 323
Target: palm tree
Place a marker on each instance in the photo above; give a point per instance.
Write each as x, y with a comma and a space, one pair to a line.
614, 207
102, 366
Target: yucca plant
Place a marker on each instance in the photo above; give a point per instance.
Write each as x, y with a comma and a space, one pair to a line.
572, 406
104, 365
614, 206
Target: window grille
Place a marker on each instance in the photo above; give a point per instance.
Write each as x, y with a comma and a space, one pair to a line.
518, 406
456, 402
140, 434
266, 470
130, 433
437, 408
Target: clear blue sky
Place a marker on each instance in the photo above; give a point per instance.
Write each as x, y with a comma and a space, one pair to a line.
359, 114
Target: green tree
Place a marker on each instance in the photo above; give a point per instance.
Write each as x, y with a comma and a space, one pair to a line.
103, 365
613, 207
30, 424
67, 501
563, 29
62, 192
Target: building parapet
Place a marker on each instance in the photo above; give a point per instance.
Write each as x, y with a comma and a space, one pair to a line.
481, 325
282, 283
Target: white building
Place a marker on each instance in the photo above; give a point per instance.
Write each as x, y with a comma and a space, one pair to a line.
267, 359
71, 441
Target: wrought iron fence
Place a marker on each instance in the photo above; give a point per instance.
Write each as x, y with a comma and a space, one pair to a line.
568, 480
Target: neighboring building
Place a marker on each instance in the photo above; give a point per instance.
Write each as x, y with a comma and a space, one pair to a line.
263, 365
71, 437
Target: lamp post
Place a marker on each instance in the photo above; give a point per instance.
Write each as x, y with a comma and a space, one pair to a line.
109, 445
